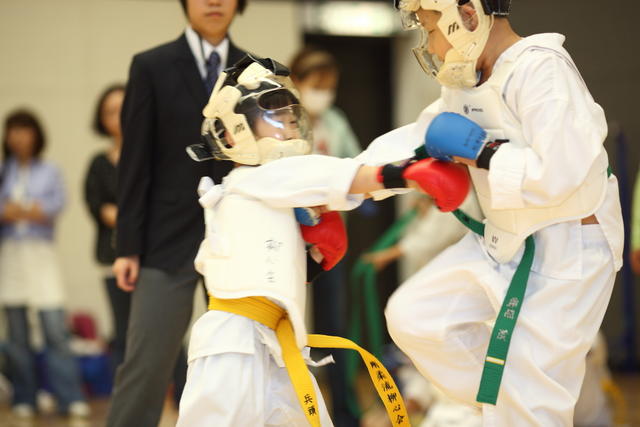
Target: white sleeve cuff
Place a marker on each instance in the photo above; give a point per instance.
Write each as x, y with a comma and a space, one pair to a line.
340, 179
388, 192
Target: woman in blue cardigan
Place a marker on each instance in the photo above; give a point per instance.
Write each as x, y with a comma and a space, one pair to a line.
31, 197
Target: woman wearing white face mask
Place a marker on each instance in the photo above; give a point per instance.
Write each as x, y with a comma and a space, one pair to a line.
315, 73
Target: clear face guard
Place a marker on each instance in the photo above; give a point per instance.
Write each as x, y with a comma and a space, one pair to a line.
431, 64
253, 116
274, 114
409, 20
468, 31
280, 116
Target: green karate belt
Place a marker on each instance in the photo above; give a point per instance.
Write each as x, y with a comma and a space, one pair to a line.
363, 283
507, 317
506, 320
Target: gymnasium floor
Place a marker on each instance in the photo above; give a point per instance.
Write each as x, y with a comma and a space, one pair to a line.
628, 383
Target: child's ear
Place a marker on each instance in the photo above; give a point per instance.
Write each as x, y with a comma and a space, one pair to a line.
469, 16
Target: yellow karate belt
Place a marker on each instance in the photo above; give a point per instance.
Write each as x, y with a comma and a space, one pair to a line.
274, 317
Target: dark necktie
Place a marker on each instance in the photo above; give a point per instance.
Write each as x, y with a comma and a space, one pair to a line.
212, 65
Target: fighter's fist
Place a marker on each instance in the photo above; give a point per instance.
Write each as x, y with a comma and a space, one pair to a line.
329, 237
450, 134
447, 183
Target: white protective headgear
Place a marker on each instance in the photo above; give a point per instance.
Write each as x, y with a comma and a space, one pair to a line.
253, 116
459, 67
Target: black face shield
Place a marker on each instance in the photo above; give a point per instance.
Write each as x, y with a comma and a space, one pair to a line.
497, 7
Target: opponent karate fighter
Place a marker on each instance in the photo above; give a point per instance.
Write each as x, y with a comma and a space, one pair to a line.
245, 362
534, 148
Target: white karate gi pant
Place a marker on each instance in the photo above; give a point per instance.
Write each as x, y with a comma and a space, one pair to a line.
442, 411
234, 380
593, 408
441, 319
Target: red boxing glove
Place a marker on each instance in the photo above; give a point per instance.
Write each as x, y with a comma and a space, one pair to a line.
447, 183
329, 236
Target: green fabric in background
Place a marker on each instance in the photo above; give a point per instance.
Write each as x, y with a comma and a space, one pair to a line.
364, 289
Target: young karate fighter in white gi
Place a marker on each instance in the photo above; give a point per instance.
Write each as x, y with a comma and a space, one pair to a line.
534, 148
245, 361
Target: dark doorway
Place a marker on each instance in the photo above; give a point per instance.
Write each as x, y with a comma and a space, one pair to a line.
365, 95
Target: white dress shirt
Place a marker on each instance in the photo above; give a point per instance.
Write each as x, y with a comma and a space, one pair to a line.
202, 49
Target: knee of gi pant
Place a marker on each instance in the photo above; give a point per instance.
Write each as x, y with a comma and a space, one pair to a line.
406, 320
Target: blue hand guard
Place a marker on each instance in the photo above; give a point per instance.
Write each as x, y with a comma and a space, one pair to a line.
306, 216
451, 134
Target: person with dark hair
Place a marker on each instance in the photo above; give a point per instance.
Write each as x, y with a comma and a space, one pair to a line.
315, 73
100, 196
160, 224
31, 197
241, 5
106, 116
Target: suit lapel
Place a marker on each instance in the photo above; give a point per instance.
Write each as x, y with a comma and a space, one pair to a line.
235, 54
188, 68
186, 63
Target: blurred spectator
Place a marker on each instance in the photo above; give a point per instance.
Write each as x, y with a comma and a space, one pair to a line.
315, 73
430, 233
31, 197
100, 196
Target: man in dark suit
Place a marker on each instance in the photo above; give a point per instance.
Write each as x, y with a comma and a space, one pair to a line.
160, 223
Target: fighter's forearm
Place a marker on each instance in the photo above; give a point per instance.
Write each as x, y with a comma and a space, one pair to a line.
366, 181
